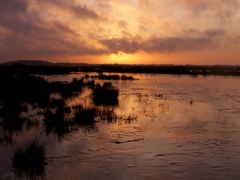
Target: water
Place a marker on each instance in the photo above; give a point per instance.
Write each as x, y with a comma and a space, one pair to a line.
168, 127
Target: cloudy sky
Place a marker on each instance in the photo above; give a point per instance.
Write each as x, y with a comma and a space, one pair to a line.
121, 31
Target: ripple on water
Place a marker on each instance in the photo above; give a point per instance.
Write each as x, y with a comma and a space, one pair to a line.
183, 128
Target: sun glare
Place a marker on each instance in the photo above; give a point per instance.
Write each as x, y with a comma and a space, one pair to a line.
121, 58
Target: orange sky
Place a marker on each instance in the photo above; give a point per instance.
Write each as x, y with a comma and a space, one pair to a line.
121, 31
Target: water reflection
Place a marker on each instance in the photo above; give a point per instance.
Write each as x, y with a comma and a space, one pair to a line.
180, 127
54, 118
50, 107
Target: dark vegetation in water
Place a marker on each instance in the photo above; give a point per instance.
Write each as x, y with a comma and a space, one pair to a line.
7, 139
16, 89
13, 124
21, 93
73, 88
84, 116
20, 89
107, 114
112, 77
105, 94
30, 161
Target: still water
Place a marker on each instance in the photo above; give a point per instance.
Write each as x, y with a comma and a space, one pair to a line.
167, 127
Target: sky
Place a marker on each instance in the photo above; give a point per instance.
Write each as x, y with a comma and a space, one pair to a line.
121, 31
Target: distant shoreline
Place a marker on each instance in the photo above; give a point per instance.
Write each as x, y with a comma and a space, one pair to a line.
47, 68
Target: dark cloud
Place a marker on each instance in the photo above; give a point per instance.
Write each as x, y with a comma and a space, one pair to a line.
25, 32
143, 3
214, 32
195, 6
174, 44
122, 24
11, 14
126, 45
79, 10
83, 11
219, 9
203, 40
63, 28
29, 32
12, 7
169, 44
44, 45
211, 33
43, 42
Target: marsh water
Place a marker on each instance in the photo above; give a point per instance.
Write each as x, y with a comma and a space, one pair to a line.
165, 127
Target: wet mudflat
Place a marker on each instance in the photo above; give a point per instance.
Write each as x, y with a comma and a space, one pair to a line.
162, 126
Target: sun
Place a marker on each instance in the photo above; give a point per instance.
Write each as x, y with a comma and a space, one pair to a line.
121, 58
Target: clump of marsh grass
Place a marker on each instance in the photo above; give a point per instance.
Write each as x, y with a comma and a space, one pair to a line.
107, 94
30, 161
83, 115
112, 77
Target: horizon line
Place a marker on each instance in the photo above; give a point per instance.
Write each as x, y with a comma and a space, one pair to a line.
128, 64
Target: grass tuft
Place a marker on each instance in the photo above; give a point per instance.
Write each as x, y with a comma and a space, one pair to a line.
84, 116
30, 161
107, 94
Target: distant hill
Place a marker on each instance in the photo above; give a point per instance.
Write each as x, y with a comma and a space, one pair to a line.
28, 63
40, 63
